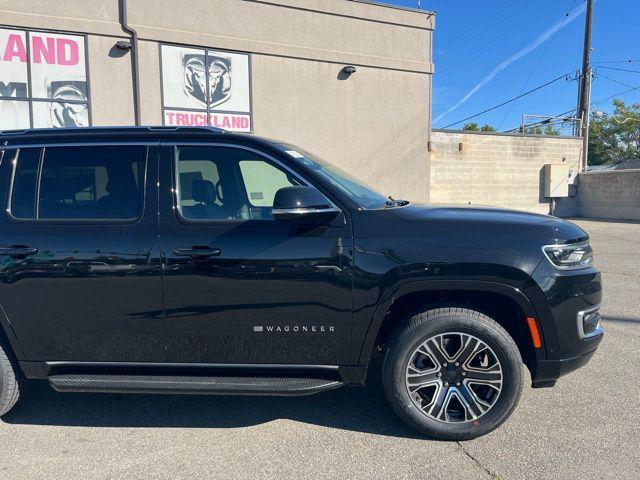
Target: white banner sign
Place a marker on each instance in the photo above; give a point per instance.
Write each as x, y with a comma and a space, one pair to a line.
57, 92
206, 87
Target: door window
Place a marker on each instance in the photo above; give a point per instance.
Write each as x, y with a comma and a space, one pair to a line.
226, 183
261, 182
82, 183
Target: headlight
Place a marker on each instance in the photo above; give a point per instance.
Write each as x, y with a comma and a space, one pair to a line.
570, 256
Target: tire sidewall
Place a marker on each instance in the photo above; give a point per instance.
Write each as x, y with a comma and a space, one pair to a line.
496, 338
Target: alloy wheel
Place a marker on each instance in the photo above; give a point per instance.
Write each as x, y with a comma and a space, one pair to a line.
454, 377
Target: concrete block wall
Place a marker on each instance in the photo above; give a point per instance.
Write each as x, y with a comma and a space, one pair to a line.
505, 170
609, 195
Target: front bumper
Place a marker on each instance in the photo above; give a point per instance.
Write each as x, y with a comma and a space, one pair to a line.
565, 302
548, 371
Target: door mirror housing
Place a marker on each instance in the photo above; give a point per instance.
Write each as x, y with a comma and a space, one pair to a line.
303, 203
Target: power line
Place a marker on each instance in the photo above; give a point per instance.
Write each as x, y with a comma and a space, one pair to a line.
619, 69
483, 26
615, 81
618, 61
594, 103
510, 100
602, 100
498, 39
535, 67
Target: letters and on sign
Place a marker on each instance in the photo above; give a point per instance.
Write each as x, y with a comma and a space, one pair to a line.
43, 80
206, 87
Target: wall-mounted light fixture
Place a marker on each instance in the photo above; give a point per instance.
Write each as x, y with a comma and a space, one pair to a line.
123, 45
348, 70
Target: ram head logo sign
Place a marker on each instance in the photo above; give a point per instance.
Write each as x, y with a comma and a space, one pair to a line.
206, 87
207, 77
69, 106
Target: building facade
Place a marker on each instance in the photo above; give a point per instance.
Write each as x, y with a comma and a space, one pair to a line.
272, 67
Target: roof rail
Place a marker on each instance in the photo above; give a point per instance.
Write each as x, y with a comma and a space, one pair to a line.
128, 129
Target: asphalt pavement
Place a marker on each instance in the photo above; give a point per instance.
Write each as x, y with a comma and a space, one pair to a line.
587, 427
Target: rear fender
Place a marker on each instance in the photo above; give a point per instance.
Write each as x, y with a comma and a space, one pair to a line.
7, 330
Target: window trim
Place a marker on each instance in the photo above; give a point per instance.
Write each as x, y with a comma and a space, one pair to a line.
83, 221
175, 190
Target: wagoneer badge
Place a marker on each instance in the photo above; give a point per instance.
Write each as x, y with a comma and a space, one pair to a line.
294, 328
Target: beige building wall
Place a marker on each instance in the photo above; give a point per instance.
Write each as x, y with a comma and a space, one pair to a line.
496, 169
374, 124
381, 139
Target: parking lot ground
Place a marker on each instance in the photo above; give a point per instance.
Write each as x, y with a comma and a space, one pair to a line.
587, 427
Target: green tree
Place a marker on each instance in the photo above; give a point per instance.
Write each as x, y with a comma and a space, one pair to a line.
474, 127
549, 130
615, 138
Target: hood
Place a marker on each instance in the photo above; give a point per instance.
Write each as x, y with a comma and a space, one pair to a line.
478, 220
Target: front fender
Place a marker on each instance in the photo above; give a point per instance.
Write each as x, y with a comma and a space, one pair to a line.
403, 288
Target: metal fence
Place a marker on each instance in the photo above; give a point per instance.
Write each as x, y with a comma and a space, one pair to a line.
568, 126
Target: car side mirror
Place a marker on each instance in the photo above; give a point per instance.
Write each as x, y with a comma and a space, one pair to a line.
303, 203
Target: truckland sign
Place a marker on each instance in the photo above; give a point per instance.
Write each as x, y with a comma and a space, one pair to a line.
43, 80
206, 87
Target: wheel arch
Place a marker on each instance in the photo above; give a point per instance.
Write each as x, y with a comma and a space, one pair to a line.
8, 337
497, 300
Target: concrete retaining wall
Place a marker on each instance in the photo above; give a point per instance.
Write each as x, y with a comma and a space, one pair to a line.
611, 195
496, 169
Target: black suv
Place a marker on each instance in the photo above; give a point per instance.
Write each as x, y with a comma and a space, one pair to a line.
192, 260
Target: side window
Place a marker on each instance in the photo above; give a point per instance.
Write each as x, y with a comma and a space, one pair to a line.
81, 183
261, 182
226, 183
23, 192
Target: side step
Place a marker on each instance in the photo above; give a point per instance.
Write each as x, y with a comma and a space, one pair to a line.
221, 385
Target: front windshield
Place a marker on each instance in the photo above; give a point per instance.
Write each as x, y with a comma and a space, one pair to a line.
362, 194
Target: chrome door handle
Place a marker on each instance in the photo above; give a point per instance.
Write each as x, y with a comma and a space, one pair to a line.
197, 252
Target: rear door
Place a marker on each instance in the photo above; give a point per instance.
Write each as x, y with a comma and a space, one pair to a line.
80, 275
239, 286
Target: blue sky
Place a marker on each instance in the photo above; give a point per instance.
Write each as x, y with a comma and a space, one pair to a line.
475, 37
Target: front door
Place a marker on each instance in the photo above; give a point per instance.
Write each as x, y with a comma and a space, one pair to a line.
80, 275
239, 286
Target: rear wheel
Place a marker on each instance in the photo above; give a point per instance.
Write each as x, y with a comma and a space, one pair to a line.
453, 373
9, 384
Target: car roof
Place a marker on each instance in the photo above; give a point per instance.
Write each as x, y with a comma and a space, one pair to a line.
115, 133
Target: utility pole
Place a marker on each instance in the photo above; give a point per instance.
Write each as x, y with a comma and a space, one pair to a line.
585, 85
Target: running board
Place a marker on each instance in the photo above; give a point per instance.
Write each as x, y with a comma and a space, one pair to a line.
221, 385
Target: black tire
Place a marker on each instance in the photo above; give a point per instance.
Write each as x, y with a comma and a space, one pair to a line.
421, 327
9, 384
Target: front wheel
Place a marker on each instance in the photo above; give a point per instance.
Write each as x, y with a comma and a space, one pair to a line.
452, 373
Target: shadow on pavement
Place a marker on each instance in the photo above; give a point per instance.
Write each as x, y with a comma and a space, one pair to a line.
356, 409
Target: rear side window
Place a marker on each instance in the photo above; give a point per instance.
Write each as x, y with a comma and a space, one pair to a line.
79, 183
23, 193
